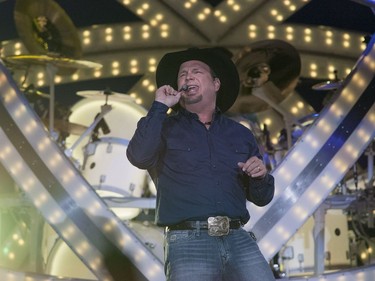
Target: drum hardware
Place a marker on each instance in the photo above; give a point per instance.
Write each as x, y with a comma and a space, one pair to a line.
65, 126
32, 92
46, 29
107, 95
265, 93
52, 64
101, 125
327, 85
268, 71
104, 110
263, 61
53, 41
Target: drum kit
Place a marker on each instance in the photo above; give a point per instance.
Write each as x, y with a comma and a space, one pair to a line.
53, 43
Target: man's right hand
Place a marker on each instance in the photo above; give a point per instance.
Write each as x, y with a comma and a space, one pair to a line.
167, 95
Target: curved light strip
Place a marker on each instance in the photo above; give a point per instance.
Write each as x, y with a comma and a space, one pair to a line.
314, 166
66, 200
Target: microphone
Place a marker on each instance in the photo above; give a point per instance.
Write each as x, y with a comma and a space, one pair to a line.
184, 88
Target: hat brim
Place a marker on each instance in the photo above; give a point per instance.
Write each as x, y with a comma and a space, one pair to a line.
217, 59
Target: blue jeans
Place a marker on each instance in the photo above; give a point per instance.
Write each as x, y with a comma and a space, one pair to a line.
193, 255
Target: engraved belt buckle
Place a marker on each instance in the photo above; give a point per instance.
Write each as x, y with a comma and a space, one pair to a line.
218, 226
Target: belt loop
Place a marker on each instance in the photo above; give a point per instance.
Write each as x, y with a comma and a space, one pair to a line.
198, 227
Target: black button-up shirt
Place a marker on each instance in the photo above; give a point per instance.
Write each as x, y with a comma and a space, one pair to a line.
194, 168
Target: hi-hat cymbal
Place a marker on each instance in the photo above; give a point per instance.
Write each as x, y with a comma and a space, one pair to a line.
59, 62
327, 85
106, 94
66, 127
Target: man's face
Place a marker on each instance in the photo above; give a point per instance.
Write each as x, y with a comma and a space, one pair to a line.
202, 87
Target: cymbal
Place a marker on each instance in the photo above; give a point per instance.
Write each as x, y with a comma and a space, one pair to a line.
327, 85
65, 126
59, 62
277, 59
262, 62
45, 28
112, 96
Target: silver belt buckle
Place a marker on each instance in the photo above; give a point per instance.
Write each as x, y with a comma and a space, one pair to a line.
218, 226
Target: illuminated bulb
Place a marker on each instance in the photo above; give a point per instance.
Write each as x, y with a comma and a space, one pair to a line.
139, 255
164, 34
139, 12
86, 41
28, 184
16, 168
11, 255
223, 18
94, 208
187, 5
201, 17
58, 79
68, 176
75, 76
19, 112
55, 217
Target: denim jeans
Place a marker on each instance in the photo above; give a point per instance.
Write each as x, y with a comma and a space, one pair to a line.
193, 255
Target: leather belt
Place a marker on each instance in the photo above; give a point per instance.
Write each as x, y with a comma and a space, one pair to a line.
216, 226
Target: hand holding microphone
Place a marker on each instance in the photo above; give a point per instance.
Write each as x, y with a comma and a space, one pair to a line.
169, 96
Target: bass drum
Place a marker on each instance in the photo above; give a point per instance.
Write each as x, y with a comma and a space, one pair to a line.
103, 162
60, 260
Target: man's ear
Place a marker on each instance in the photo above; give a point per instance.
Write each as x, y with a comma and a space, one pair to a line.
217, 84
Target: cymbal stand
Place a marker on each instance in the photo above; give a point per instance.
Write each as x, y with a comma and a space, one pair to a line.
104, 110
261, 93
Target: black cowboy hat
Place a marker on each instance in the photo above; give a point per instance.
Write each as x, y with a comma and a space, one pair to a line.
218, 59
